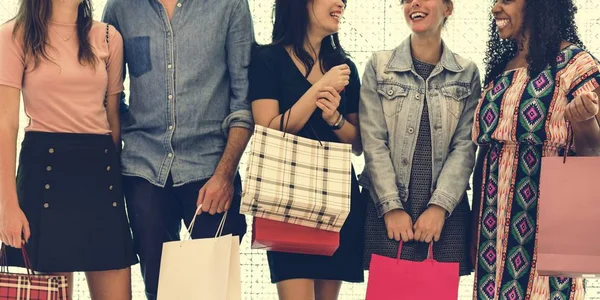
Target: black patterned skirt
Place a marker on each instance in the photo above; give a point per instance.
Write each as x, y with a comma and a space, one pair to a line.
69, 187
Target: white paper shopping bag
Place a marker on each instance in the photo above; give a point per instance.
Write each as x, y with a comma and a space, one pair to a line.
201, 268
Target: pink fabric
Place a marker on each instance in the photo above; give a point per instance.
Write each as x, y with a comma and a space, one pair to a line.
62, 95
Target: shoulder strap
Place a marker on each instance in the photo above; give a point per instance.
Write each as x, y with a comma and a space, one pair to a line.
108, 57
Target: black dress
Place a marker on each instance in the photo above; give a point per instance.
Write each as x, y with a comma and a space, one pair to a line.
273, 75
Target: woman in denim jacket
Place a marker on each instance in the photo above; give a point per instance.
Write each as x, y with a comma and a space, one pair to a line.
416, 112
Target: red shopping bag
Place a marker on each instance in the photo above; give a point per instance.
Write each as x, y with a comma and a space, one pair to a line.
393, 278
30, 286
285, 237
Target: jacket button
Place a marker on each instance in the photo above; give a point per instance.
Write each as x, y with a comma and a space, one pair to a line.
49, 168
51, 150
390, 92
46, 205
411, 130
47, 186
110, 187
105, 151
108, 168
114, 204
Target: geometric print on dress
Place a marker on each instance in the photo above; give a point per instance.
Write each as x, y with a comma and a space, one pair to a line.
486, 269
490, 111
522, 219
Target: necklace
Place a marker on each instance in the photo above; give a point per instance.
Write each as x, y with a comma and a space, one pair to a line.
61, 37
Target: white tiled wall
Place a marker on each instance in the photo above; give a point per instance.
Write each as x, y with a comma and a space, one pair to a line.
369, 25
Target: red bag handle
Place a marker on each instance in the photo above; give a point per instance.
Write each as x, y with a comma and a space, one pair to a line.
26, 261
429, 254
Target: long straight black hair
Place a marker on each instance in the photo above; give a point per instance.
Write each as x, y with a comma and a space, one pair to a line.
291, 28
31, 23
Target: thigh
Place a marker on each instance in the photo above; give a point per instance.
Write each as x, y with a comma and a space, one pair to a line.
296, 289
154, 213
206, 224
110, 285
327, 289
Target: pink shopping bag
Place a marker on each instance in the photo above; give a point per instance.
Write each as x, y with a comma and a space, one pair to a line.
569, 218
393, 278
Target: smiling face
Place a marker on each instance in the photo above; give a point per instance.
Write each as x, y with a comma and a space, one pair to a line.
425, 16
509, 18
325, 15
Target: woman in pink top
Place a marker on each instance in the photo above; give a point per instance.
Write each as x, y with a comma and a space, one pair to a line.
66, 207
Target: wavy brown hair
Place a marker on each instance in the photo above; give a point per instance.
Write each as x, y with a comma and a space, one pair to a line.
550, 22
32, 20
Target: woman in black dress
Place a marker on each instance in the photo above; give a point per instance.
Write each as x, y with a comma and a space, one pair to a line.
306, 77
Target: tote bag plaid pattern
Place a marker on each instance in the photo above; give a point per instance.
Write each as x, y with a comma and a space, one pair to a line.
30, 286
297, 180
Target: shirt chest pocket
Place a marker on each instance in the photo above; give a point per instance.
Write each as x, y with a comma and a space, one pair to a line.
137, 56
455, 97
392, 98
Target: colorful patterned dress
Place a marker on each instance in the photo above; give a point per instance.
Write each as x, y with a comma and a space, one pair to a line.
520, 120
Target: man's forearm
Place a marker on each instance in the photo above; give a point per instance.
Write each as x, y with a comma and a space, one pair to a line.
236, 144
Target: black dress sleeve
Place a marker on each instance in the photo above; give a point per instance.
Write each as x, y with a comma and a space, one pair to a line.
352, 92
262, 75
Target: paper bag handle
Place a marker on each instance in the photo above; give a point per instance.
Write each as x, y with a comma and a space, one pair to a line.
570, 141
191, 227
429, 254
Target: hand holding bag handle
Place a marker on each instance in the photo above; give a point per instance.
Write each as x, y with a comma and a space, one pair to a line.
191, 227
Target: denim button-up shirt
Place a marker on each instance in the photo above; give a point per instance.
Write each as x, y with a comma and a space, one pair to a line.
391, 103
188, 83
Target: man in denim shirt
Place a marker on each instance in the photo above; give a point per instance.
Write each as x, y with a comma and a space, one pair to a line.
188, 120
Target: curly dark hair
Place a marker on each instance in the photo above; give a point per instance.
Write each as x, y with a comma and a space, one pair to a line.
550, 22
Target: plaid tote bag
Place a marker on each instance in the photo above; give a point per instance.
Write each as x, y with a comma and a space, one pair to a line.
30, 286
297, 180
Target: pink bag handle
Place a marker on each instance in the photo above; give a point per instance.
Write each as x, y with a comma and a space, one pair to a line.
429, 254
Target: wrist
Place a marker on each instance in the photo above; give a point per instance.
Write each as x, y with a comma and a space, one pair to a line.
9, 203
225, 174
334, 119
438, 209
394, 211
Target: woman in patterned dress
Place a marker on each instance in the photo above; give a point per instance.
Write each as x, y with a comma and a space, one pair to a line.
539, 82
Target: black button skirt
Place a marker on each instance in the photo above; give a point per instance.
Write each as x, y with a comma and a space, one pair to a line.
69, 187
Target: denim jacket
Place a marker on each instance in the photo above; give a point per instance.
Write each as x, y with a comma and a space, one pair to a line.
391, 103
188, 82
